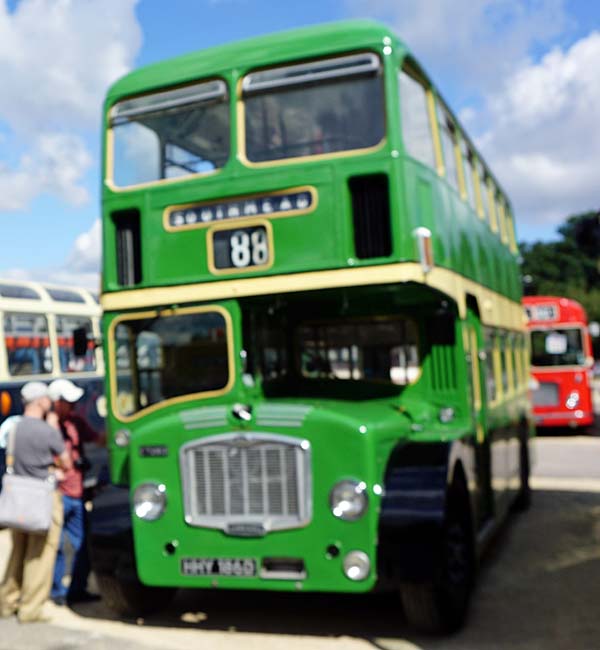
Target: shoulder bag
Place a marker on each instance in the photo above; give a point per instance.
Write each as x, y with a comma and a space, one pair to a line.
25, 502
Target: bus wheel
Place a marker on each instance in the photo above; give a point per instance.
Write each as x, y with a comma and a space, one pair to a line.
523, 500
441, 605
131, 597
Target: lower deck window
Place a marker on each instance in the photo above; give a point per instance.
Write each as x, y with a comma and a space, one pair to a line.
375, 350
27, 344
163, 357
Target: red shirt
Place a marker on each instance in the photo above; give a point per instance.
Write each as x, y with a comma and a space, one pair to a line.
75, 430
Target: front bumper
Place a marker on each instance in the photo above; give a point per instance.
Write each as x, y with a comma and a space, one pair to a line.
576, 418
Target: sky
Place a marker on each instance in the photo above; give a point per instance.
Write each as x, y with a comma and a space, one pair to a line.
521, 74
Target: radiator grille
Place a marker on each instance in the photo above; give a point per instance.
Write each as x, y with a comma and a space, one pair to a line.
546, 394
255, 479
443, 368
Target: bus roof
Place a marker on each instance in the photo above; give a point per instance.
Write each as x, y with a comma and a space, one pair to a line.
262, 50
25, 296
275, 49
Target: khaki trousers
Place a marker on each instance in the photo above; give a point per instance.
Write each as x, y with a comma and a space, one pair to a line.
28, 577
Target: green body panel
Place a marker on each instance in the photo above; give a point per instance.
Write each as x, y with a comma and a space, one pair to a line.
349, 438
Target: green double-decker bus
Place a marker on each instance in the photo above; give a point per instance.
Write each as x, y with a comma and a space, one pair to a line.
315, 351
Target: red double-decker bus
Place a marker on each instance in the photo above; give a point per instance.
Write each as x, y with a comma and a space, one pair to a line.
561, 362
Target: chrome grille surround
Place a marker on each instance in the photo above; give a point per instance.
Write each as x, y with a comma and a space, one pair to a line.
247, 483
547, 394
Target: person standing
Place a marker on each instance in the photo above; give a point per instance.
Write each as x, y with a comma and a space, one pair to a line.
37, 443
75, 431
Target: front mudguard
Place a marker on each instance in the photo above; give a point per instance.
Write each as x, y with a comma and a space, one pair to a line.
413, 509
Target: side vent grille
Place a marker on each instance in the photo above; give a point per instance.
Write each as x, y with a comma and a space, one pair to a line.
129, 252
371, 214
443, 368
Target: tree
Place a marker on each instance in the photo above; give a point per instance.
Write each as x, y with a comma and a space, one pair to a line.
569, 266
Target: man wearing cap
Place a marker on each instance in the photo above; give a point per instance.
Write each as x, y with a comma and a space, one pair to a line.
37, 443
75, 430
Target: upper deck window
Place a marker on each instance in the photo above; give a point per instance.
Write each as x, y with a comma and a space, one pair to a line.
314, 108
448, 138
65, 295
484, 192
557, 347
170, 134
416, 127
18, 291
469, 167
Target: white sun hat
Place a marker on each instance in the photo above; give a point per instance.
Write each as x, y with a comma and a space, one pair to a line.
33, 390
64, 389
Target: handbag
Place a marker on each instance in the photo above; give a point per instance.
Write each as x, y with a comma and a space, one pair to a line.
25, 501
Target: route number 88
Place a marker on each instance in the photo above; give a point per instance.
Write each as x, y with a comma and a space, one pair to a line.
249, 248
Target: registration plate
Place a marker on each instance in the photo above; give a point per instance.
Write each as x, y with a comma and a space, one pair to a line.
218, 566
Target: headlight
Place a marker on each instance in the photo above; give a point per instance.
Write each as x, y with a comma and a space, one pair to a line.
573, 400
348, 500
149, 501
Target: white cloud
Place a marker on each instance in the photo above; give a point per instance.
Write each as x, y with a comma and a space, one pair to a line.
82, 267
535, 120
544, 141
86, 253
473, 42
57, 58
55, 163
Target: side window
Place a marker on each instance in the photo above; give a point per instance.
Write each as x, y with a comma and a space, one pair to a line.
448, 138
469, 172
509, 353
504, 369
484, 193
501, 217
416, 126
510, 225
490, 375
493, 206
517, 370
64, 332
27, 344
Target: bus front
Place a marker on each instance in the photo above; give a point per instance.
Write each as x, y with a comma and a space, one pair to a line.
561, 362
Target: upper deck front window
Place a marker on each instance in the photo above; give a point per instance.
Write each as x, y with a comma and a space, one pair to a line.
557, 347
170, 134
315, 108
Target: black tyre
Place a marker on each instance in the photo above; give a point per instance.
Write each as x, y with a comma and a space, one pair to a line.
523, 500
441, 604
132, 598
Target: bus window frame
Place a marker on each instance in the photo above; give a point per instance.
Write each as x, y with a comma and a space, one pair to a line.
241, 116
109, 164
181, 399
